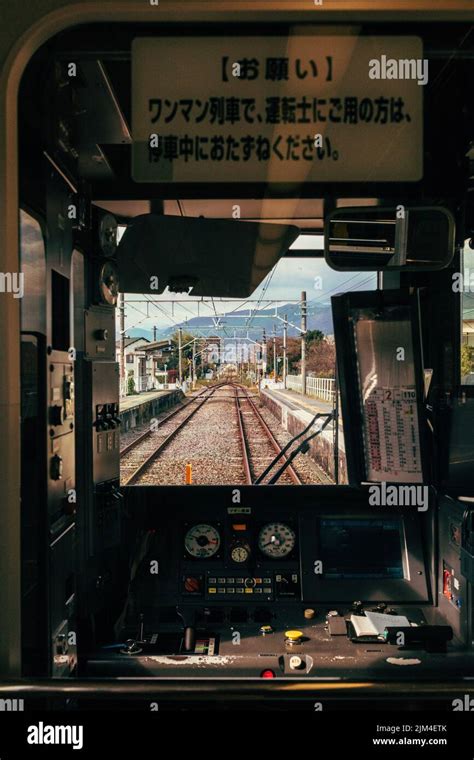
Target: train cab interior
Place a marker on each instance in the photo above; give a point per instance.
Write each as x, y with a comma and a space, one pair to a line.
188, 160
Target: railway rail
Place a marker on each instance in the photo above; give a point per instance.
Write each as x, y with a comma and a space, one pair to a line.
257, 452
140, 454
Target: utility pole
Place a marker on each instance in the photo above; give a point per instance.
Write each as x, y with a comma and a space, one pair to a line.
194, 363
154, 334
122, 343
180, 362
274, 354
285, 337
264, 353
303, 341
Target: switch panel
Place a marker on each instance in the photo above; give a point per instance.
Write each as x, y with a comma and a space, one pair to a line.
105, 421
61, 395
99, 333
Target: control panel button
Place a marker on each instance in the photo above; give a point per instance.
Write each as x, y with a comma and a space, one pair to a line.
56, 467
56, 415
296, 663
293, 637
192, 585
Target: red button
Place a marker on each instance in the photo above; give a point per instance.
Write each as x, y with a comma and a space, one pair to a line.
191, 585
267, 674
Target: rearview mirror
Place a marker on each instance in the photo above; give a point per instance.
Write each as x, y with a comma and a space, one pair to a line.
370, 239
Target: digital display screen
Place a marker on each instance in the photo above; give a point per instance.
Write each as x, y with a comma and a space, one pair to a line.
361, 548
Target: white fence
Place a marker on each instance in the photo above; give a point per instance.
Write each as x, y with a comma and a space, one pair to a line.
319, 387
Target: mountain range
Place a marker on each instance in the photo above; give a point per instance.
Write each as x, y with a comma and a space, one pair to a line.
319, 318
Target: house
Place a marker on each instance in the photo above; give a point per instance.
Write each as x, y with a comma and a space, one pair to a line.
143, 360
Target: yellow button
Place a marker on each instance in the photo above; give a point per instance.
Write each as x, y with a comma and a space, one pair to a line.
212, 590
294, 635
249, 590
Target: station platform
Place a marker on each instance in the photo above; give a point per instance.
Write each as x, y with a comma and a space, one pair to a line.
128, 402
141, 407
294, 412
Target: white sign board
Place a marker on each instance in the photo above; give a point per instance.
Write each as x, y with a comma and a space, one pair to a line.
277, 109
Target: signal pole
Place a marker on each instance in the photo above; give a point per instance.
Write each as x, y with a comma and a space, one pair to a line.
122, 343
303, 341
264, 353
180, 362
274, 354
193, 381
285, 334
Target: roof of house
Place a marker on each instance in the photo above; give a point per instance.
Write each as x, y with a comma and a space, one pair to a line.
129, 341
157, 345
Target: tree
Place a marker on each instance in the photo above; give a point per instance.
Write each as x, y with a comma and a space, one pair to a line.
313, 335
467, 359
172, 358
131, 386
320, 358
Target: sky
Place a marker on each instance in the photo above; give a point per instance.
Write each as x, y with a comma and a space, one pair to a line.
284, 283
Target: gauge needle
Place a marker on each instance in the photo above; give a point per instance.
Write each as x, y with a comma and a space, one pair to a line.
273, 540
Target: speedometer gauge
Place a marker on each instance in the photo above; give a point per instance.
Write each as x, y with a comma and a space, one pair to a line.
276, 540
202, 541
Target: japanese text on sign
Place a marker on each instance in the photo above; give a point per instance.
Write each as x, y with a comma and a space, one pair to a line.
309, 115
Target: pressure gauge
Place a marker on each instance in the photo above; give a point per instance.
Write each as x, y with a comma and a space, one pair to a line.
202, 541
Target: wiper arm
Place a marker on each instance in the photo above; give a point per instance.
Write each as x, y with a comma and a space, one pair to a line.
303, 447
285, 449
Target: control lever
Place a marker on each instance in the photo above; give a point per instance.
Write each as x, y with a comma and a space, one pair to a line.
133, 646
189, 629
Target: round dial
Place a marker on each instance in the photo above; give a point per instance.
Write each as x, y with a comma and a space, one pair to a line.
276, 540
202, 541
108, 234
240, 553
109, 282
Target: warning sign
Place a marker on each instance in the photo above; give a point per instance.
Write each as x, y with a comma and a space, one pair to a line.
277, 109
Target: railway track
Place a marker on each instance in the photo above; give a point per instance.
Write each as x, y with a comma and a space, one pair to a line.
222, 447
139, 455
258, 449
140, 438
